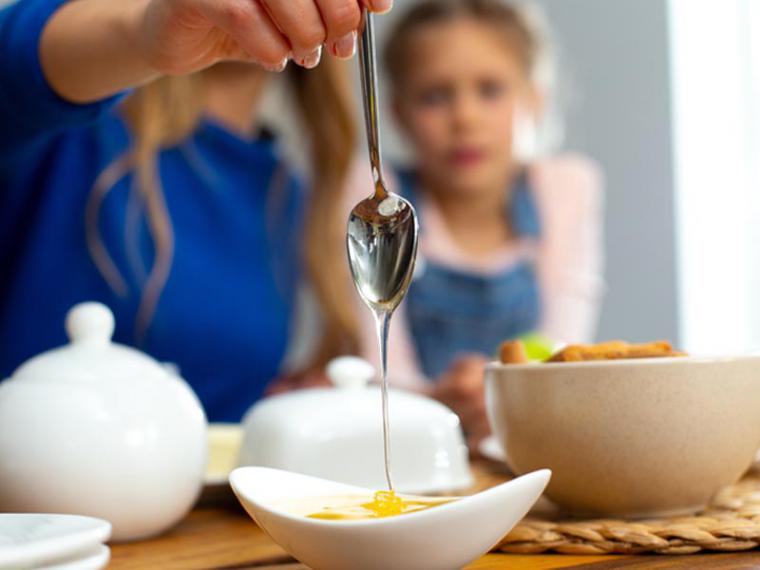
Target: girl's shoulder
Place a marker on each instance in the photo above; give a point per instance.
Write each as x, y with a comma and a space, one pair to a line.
568, 186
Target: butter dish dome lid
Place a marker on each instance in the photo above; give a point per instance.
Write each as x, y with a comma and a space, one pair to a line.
336, 433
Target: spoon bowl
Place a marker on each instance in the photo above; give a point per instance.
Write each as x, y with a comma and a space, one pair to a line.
442, 538
382, 247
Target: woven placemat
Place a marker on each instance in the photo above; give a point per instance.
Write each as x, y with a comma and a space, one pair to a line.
730, 523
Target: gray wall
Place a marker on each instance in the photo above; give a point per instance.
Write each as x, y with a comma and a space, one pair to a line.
615, 88
617, 54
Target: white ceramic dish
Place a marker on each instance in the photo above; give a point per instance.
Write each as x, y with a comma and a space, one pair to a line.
445, 537
490, 448
223, 448
34, 540
93, 559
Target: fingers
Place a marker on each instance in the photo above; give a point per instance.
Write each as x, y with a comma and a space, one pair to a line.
462, 389
466, 373
273, 31
342, 19
471, 360
308, 24
253, 30
469, 407
379, 6
301, 23
468, 366
469, 404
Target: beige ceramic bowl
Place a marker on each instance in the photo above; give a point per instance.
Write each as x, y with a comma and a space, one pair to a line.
629, 438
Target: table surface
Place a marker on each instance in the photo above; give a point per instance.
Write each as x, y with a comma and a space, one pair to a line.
219, 535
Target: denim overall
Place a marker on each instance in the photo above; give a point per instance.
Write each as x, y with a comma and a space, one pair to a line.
451, 312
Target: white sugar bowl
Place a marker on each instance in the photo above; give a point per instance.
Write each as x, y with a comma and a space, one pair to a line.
336, 434
100, 429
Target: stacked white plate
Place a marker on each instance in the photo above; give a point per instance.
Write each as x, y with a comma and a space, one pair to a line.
53, 542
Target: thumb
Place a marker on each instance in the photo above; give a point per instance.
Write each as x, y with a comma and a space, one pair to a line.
468, 363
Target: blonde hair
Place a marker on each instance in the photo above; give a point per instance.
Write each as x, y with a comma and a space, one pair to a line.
165, 113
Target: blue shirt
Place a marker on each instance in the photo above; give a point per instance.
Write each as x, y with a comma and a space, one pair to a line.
224, 314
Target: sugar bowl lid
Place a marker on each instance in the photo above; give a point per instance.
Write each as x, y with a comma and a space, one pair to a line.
90, 354
336, 434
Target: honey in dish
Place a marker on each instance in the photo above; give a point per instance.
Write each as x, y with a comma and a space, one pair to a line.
361, 507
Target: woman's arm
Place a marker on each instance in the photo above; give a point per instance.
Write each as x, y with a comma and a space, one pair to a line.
61, 61
91, 49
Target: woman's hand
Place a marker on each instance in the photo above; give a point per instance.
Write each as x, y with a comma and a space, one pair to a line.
461, 388
91, 49
179, 36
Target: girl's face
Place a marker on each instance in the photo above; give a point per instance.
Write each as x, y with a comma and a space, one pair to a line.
457, 102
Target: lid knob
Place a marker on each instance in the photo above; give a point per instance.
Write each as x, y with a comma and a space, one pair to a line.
350, 372
90, 322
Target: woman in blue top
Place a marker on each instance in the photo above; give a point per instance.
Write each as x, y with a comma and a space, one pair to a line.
171, 208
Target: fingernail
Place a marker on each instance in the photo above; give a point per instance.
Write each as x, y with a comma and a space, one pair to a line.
381, 6
277, 68
345, 47
312, 60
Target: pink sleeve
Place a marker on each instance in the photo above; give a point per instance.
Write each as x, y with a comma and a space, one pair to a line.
403, 368
570, 261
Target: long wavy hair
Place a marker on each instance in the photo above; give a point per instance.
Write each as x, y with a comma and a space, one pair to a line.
164, 114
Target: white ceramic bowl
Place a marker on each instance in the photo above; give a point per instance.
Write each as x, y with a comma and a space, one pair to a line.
223, 449
442, 538
630, 437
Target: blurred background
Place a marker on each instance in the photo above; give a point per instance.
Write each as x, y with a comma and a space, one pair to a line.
665, 95
613, 94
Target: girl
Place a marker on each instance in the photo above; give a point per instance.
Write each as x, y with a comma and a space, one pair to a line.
510, 244
174, 209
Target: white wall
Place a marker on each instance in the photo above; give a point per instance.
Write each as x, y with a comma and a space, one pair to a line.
717, 129
614, 56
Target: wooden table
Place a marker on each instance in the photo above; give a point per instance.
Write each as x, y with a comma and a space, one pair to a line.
227, 539
220, 536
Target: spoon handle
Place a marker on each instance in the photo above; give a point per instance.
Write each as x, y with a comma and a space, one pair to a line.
368, 69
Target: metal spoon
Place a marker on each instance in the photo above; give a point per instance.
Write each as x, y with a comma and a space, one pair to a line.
382, 229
